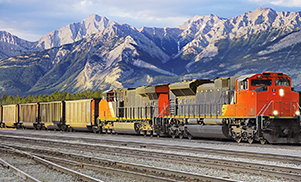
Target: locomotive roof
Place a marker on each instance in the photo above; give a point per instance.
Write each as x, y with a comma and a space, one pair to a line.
243, 77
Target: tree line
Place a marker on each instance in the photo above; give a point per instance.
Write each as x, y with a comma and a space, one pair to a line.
56, 96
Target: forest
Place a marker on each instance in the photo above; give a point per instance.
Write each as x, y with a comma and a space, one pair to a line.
56, 96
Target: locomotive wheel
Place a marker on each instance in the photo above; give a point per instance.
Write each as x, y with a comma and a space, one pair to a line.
250, 140
189, 136
181, 136
263, 141
238, 140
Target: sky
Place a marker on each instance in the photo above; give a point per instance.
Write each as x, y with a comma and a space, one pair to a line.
31, 19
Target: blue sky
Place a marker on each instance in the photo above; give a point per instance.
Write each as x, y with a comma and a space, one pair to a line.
31, 19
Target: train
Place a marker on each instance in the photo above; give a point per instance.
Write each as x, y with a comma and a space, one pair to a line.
260, 107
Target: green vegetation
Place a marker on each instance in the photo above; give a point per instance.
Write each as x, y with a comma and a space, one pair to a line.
56, 96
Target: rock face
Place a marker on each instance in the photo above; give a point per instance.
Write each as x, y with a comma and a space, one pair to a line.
11, 45
98, 53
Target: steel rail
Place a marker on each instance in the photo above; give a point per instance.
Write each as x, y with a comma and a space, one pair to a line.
53, 165
127, 173
181, 175
241, 166
185, 148
18, 172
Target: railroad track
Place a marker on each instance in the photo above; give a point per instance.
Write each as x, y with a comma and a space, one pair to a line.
221, 164
171, 147
144, 172
34, 162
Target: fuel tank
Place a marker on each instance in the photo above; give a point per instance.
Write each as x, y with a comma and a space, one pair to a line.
209, 131
127, 128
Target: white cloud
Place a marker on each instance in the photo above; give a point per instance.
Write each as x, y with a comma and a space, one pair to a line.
285, 3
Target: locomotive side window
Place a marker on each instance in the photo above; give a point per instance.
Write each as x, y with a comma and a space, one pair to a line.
110, 97
244, 85
261, 82
282, 82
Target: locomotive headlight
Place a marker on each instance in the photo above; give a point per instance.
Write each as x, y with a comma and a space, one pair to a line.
297, 113
275, 112
281, 92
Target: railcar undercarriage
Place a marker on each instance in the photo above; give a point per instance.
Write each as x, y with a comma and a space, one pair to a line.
262, 129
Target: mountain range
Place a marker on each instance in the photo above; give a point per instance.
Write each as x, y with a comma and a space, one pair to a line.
98, 53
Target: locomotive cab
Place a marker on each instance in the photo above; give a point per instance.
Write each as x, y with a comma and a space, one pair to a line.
267, 94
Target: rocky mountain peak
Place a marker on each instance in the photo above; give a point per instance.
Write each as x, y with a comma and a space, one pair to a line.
12, 39
109, 54
75, 31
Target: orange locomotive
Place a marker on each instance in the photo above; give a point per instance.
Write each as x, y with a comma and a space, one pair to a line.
261, 107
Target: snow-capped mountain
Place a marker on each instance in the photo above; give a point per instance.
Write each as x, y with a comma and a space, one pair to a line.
98, 53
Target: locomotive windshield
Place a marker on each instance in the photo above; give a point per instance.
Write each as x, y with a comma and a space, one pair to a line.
282, 82
261, 82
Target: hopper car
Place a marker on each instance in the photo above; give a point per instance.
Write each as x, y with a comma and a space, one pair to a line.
256, 107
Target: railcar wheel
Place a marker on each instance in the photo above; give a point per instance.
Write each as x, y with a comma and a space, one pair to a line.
189, 136
250, 140
70, 129
263, 141
95, 130
181, 136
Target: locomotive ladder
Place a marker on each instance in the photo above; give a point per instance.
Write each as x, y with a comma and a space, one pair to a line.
259, 117
156, 118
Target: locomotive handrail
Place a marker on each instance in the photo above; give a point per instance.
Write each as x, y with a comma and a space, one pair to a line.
261, 110
164, 108
267, 107
298, 105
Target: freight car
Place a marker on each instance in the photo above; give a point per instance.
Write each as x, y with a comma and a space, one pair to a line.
51, 115
81, 114
9, 116
261, 107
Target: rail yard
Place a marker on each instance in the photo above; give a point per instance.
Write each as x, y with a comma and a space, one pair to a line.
93, 157
188, 128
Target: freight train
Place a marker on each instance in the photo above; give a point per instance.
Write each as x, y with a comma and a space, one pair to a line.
256, 107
